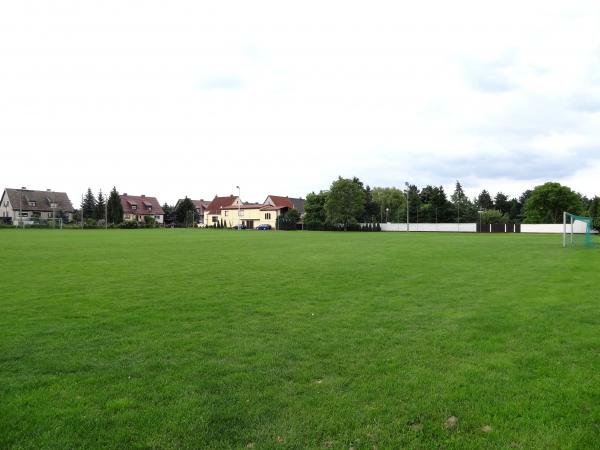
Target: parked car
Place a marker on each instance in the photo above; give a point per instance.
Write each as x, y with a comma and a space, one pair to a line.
264, 226
239, 227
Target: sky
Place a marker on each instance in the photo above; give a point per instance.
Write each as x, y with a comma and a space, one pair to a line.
175, 98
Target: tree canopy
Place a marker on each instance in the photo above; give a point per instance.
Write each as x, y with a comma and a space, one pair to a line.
547, 202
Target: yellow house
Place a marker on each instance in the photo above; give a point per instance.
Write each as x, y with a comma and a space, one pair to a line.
250, 215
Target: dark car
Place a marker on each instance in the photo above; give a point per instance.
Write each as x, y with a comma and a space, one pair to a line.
264, 226
238, 227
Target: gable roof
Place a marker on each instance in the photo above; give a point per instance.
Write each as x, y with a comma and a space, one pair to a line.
246, 206
219, 203
201, 204
286, 202
144, 205
20, 198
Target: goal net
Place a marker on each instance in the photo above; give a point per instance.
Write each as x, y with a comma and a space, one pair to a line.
577, 230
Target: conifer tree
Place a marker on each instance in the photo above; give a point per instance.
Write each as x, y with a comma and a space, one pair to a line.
100, 210
88, 205
115, 209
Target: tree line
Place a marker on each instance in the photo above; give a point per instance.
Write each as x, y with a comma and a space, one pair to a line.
348, 202
98, 209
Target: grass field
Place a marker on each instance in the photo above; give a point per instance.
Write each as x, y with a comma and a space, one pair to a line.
223, 339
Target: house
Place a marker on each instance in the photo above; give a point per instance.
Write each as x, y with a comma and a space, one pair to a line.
201, 206
213, 210
252, 215
137, 208
286, 203
32, 205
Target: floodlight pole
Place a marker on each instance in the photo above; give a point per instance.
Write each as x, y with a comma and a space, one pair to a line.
239, 208
21, 209
106, 213
407, 210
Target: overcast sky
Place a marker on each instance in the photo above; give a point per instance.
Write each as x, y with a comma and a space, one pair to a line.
192, 98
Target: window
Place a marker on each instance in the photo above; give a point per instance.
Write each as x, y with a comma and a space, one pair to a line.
226, 213
24, 214
53, 205
157, 217
49, 215
215, 219
6, 204
149, 208
268, 216
133, 207
31, 203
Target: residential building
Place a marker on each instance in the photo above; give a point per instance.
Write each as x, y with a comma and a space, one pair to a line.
32, 205
212, 213
137, 208
201, 207
255, 214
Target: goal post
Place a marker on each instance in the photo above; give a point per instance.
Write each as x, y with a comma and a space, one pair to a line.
577, 230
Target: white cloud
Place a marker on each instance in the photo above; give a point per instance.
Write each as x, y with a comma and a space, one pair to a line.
193, 98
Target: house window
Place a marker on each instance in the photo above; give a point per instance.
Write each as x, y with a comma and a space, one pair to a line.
268, 216
49, 215
133, 207
24, 214
31, 203
6, 204
149, 208
215, 219
157, 217
226, 213
53, 205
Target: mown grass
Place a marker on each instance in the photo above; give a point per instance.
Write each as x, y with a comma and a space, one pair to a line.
208, 339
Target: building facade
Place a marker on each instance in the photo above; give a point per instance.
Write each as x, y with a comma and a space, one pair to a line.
27, 205
137, 207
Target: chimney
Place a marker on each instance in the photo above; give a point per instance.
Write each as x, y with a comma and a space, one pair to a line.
48, 190
143, 196
125, 193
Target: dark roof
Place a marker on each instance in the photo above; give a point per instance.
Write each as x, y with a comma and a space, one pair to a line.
143, 204
201, 204
288, 202
43, 200
219, 203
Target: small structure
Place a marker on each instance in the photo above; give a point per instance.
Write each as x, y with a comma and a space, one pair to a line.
137, 208
27, 205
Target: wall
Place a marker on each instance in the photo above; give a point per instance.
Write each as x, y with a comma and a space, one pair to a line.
432, 227
578, 227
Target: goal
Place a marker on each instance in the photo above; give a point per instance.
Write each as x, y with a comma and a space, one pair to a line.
577, 230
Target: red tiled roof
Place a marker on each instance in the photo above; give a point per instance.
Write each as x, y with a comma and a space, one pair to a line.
143, 204
219, 203
246, 206
281, 202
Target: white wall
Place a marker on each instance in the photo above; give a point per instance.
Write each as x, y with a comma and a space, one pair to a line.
432, 227
578, 227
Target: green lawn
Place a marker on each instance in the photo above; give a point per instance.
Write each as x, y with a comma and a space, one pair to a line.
223, 339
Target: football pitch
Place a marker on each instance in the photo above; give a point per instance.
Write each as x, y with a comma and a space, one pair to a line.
297, 340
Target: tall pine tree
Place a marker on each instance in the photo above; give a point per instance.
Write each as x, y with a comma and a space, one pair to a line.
115, 209
88, 205
100, 207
